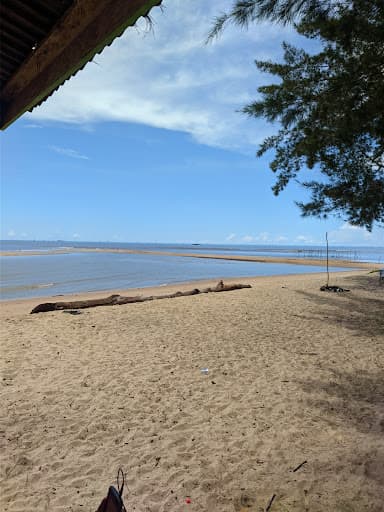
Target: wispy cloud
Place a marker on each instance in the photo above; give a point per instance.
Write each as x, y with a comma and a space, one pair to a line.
305, 239
72, 153
169, 78
32, 126
351, 235
265, 238
346, 234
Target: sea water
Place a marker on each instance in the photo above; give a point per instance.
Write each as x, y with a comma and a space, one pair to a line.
48, 274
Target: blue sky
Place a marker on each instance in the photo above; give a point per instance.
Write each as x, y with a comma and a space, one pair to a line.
146, 144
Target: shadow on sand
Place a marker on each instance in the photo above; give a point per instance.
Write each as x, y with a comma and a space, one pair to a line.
361, 314
355, 398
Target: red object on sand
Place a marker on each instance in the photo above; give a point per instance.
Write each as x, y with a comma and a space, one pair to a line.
188, 500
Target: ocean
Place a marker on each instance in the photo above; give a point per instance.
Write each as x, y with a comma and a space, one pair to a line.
48, 274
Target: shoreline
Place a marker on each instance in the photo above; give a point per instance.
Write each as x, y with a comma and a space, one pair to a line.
25, 305
234, 257
172, 287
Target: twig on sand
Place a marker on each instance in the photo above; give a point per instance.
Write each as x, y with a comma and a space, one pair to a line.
299, 466
270, 503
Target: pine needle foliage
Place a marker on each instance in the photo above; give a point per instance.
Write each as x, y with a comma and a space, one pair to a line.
329, 105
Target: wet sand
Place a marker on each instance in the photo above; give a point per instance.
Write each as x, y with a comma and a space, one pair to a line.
295, 382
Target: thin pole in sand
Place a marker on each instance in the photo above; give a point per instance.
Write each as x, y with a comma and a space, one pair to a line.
326, 238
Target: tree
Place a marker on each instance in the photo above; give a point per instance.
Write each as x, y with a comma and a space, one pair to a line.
330, 105
245, 12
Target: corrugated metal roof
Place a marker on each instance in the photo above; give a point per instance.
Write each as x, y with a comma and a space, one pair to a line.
46, 42
23, 25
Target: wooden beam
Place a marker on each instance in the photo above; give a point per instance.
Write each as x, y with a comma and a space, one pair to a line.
85, 29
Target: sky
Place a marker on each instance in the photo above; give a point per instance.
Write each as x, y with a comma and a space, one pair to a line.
147, 144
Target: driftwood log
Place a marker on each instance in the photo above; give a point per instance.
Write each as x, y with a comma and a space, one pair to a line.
117, 300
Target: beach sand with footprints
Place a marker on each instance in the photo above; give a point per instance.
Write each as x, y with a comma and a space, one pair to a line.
289, 414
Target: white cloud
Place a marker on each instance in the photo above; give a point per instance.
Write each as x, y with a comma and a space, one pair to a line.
76, 236
265, 238
72, 153
305, 239
349, 227
169, 78
354, 235
31, 126
11, 233
344, 235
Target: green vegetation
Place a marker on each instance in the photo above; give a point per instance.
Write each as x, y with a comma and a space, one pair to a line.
329, 105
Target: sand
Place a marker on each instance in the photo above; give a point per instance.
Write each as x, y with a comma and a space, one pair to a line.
294, 375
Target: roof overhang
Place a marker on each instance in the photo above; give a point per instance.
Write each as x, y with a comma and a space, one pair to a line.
84, 29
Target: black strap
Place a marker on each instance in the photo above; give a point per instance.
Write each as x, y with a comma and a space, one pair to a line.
120, 475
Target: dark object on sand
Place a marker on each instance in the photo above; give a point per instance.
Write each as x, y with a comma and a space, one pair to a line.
72, 311
270, 503
117, 300
299, 466
113, 502
336, 289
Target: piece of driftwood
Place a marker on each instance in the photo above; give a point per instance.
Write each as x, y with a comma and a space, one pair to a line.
117, 300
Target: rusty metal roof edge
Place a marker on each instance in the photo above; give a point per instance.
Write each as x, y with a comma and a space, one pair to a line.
97, 50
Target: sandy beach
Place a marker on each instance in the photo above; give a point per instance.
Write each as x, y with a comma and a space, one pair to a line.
290, 414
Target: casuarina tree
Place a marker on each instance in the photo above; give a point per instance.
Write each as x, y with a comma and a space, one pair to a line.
329, 105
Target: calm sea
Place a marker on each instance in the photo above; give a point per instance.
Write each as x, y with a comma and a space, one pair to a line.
56, 274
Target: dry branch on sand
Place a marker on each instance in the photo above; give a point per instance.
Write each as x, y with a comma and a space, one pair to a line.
117, 300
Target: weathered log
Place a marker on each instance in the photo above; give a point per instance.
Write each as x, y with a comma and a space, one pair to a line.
225, 287
117, 300
81, 304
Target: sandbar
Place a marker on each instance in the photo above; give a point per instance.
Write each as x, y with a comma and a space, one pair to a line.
257, 259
